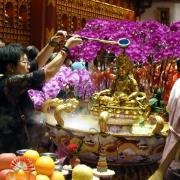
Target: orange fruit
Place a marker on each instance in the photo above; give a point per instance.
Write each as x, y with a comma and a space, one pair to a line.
6, 174
57, 176
20, 174
45, 165
32, 155
42, 177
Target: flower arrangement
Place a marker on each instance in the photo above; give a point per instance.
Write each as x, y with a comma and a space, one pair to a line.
154, 47
148, 38
80, 80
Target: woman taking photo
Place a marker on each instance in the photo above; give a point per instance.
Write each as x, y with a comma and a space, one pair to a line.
18, 75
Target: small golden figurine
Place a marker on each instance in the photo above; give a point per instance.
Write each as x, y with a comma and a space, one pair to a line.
102, 170
102, 163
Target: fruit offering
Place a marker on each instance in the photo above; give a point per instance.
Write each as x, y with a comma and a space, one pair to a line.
33, 155
82, 172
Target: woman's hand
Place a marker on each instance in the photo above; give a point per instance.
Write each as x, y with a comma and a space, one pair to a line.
52, 68
45, 53
60, 36
74, 40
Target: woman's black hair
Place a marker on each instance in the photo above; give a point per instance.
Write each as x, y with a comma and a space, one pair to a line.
32, 52
10, 54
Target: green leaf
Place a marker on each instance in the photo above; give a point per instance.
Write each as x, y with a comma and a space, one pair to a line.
153, 101
161, 103
157, 110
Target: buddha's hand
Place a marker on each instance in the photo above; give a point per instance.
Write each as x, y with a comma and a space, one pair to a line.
133, 95
141, 96
123, 97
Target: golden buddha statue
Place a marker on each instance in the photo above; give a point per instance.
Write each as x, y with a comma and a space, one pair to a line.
124, 96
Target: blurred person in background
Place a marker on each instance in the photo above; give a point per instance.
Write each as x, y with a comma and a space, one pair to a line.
2, 44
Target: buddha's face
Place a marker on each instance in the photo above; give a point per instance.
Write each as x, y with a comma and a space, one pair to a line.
124, 66
123, 70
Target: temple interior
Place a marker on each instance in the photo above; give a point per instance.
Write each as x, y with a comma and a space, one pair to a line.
89, 89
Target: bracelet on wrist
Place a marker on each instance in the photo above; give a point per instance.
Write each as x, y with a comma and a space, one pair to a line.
66, 50
63, 53
53, 43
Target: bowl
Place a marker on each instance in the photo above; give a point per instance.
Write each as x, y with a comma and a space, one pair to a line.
137, 147
50, 154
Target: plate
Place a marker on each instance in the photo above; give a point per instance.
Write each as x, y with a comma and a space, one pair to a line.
94, 178
67, 167
65, 172
107, 174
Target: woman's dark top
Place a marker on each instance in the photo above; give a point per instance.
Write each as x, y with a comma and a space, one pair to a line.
16, 107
